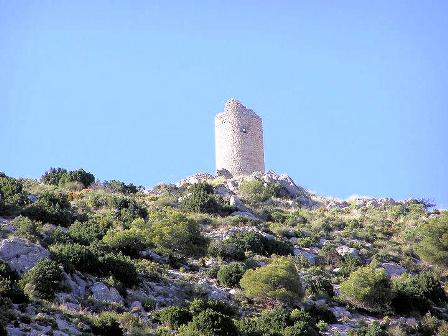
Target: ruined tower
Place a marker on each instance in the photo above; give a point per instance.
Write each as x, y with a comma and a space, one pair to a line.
239, 140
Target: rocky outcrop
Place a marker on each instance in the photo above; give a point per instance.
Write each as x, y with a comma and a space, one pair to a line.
101, 292
20, 254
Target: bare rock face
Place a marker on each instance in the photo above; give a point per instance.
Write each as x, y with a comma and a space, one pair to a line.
393, 269
20, 254
103, 293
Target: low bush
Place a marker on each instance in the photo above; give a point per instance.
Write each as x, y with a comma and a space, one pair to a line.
119, 267
226, 249
368, 288
374, 329
209, 323
12, 196
278, 280
75, 257
25, 228
433, 248
51, 207
172, 233
198, 305
174, 316
256, 190
61, 176
42, 280
259, 244
318, 283
120, 187
416, 293
87, 232
231, 274
107, 324
200, 197
127, 209
130, 241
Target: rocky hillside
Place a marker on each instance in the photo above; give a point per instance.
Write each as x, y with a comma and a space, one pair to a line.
216, 255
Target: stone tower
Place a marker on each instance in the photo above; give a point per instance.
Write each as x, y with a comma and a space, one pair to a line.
239, 140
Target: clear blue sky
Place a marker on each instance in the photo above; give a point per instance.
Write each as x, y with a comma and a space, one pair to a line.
353, 94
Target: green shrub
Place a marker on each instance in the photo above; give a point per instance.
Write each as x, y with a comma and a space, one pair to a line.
416, 293
174, 234
12, 197
374, 329
209, 323
200, 198
51, 207
231, 274
8, 284
87, 232
106, 324
75, 257
130, 241
120, 187
277, 280
256, 190
259, 244
42, 280
226, 249
318, 283
26, 228
368, 288
174, 316
119, 267
198, 305
60, 176
127, 209
433, 248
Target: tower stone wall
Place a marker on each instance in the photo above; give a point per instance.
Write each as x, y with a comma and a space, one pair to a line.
239, 140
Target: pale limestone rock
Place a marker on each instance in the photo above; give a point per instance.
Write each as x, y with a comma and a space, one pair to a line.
103, 293
20, 254
393, 269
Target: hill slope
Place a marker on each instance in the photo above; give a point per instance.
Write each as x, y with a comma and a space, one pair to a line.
212, 255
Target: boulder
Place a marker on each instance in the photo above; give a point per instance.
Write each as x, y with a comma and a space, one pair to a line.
148, 253
345, 250
393, 269
20, 254
246, 214
237, 203
103, 293
311, 257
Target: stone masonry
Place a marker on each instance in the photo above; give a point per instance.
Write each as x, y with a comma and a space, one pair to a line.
239, 140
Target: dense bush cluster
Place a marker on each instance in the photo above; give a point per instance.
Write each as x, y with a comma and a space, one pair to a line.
234, 248
61, 176
256, 190
51, 207
12, 196
200, 197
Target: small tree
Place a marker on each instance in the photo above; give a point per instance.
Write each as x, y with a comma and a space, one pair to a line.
278, 280
368, 288
433, 247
